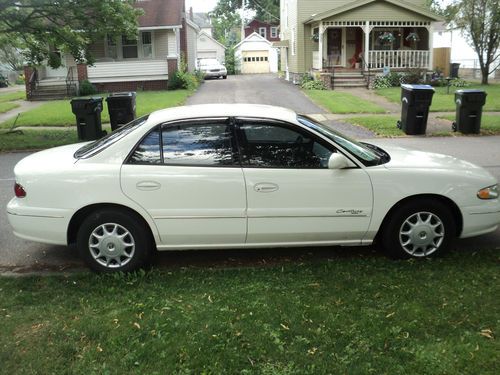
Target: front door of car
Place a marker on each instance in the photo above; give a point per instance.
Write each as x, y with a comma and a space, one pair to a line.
292, 195
187, 176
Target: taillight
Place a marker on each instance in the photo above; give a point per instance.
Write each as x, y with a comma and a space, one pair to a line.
19, 190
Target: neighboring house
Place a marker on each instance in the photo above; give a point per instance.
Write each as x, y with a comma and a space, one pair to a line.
328, 36
461, 51
204, 22
255, 54
208, 47
266, 30
166, 33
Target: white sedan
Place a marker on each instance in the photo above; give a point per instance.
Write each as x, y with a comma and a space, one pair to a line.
244, 176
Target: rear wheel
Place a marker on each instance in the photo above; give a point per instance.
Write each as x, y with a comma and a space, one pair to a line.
114, 240
419, 229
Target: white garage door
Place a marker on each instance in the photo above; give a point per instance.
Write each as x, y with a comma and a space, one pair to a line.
207, 54
255, 62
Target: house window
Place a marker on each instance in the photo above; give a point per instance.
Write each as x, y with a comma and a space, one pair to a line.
129, 48
274, 32
263, 32
111, 50
147, 45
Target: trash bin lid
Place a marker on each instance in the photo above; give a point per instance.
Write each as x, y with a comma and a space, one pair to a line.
417, 87
125, 93
471, 91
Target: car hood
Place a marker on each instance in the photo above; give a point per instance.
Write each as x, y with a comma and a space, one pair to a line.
47, 160
402, 158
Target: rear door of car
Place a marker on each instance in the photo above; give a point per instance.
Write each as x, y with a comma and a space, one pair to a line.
292, 195
188, 177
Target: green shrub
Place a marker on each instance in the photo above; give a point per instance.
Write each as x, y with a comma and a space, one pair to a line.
182, 80
200, 77
230, 62
87, 88
313, 85
459, 82
381, 82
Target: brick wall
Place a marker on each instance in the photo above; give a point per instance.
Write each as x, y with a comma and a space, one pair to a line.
131, 86
27, 75
82, 72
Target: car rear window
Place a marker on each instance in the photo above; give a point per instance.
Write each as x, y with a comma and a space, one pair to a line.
97, 146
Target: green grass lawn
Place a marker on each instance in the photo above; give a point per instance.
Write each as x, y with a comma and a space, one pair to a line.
11, 96
442, 102
36, 139
342, 102
348, 314
381, 125
58, 112
7, 106
490, 124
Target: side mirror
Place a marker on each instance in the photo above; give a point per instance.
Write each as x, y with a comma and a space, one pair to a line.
338, 161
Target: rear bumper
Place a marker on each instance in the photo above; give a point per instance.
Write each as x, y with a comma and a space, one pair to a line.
37, 225
215, 74
481, 219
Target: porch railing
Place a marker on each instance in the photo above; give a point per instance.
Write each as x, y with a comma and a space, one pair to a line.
32, 83
399, 59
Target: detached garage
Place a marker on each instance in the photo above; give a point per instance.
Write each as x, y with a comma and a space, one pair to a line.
255, 55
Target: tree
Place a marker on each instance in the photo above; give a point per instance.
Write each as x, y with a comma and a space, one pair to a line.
69, 26
10, 53
480, 21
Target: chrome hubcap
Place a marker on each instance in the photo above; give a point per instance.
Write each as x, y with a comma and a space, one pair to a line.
421, 234
111, 245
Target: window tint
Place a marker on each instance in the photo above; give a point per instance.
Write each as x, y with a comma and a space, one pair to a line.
207, 144
270, 145
148, 151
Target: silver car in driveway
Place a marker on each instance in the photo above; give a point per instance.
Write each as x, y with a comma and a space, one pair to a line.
212, 68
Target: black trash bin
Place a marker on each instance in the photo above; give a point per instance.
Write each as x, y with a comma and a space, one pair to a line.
469, 111
121, 108
88, 118
415, 100
454, 70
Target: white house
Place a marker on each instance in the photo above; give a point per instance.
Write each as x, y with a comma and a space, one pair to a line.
255, 54
208, 47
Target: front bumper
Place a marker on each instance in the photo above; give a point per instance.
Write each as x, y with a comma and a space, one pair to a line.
481, 219
215, 74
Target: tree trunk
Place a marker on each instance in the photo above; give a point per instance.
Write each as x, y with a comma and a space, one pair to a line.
484, 74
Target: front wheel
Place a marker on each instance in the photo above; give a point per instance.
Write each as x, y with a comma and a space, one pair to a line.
114, 240
419, 229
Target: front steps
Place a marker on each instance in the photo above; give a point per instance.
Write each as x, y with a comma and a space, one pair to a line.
53, 90
348, 79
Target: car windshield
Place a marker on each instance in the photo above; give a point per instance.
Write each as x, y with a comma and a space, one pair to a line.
97, 146
364, 154
209, 62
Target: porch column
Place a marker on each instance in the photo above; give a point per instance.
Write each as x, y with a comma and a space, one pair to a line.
430, 30
320, 40
367, 43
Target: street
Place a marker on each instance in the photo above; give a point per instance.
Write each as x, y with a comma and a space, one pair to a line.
22, 256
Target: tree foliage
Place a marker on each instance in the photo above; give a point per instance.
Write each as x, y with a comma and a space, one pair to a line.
480, 21
70, 26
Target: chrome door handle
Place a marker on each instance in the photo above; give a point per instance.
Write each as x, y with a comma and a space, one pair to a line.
265, 187
148, 185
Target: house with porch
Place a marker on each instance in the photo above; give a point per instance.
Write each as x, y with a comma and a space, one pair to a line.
349, 40
165, 33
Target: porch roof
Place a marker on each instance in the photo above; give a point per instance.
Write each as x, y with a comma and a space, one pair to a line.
360, 3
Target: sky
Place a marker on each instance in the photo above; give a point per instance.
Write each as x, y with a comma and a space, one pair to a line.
201, 5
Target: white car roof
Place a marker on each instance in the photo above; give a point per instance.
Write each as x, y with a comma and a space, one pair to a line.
223, 110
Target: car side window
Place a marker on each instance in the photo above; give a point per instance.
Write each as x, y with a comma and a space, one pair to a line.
148, 151
275, 145
206, 143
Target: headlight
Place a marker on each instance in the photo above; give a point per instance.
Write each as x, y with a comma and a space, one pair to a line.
490, 192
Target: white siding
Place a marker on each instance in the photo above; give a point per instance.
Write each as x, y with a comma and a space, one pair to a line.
122, 71
207, 46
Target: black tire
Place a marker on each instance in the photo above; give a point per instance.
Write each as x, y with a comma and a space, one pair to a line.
127, 250
420, 228
225, 77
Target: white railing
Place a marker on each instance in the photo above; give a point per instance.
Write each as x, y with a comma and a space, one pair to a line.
129, 70
399, 59
316, 62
